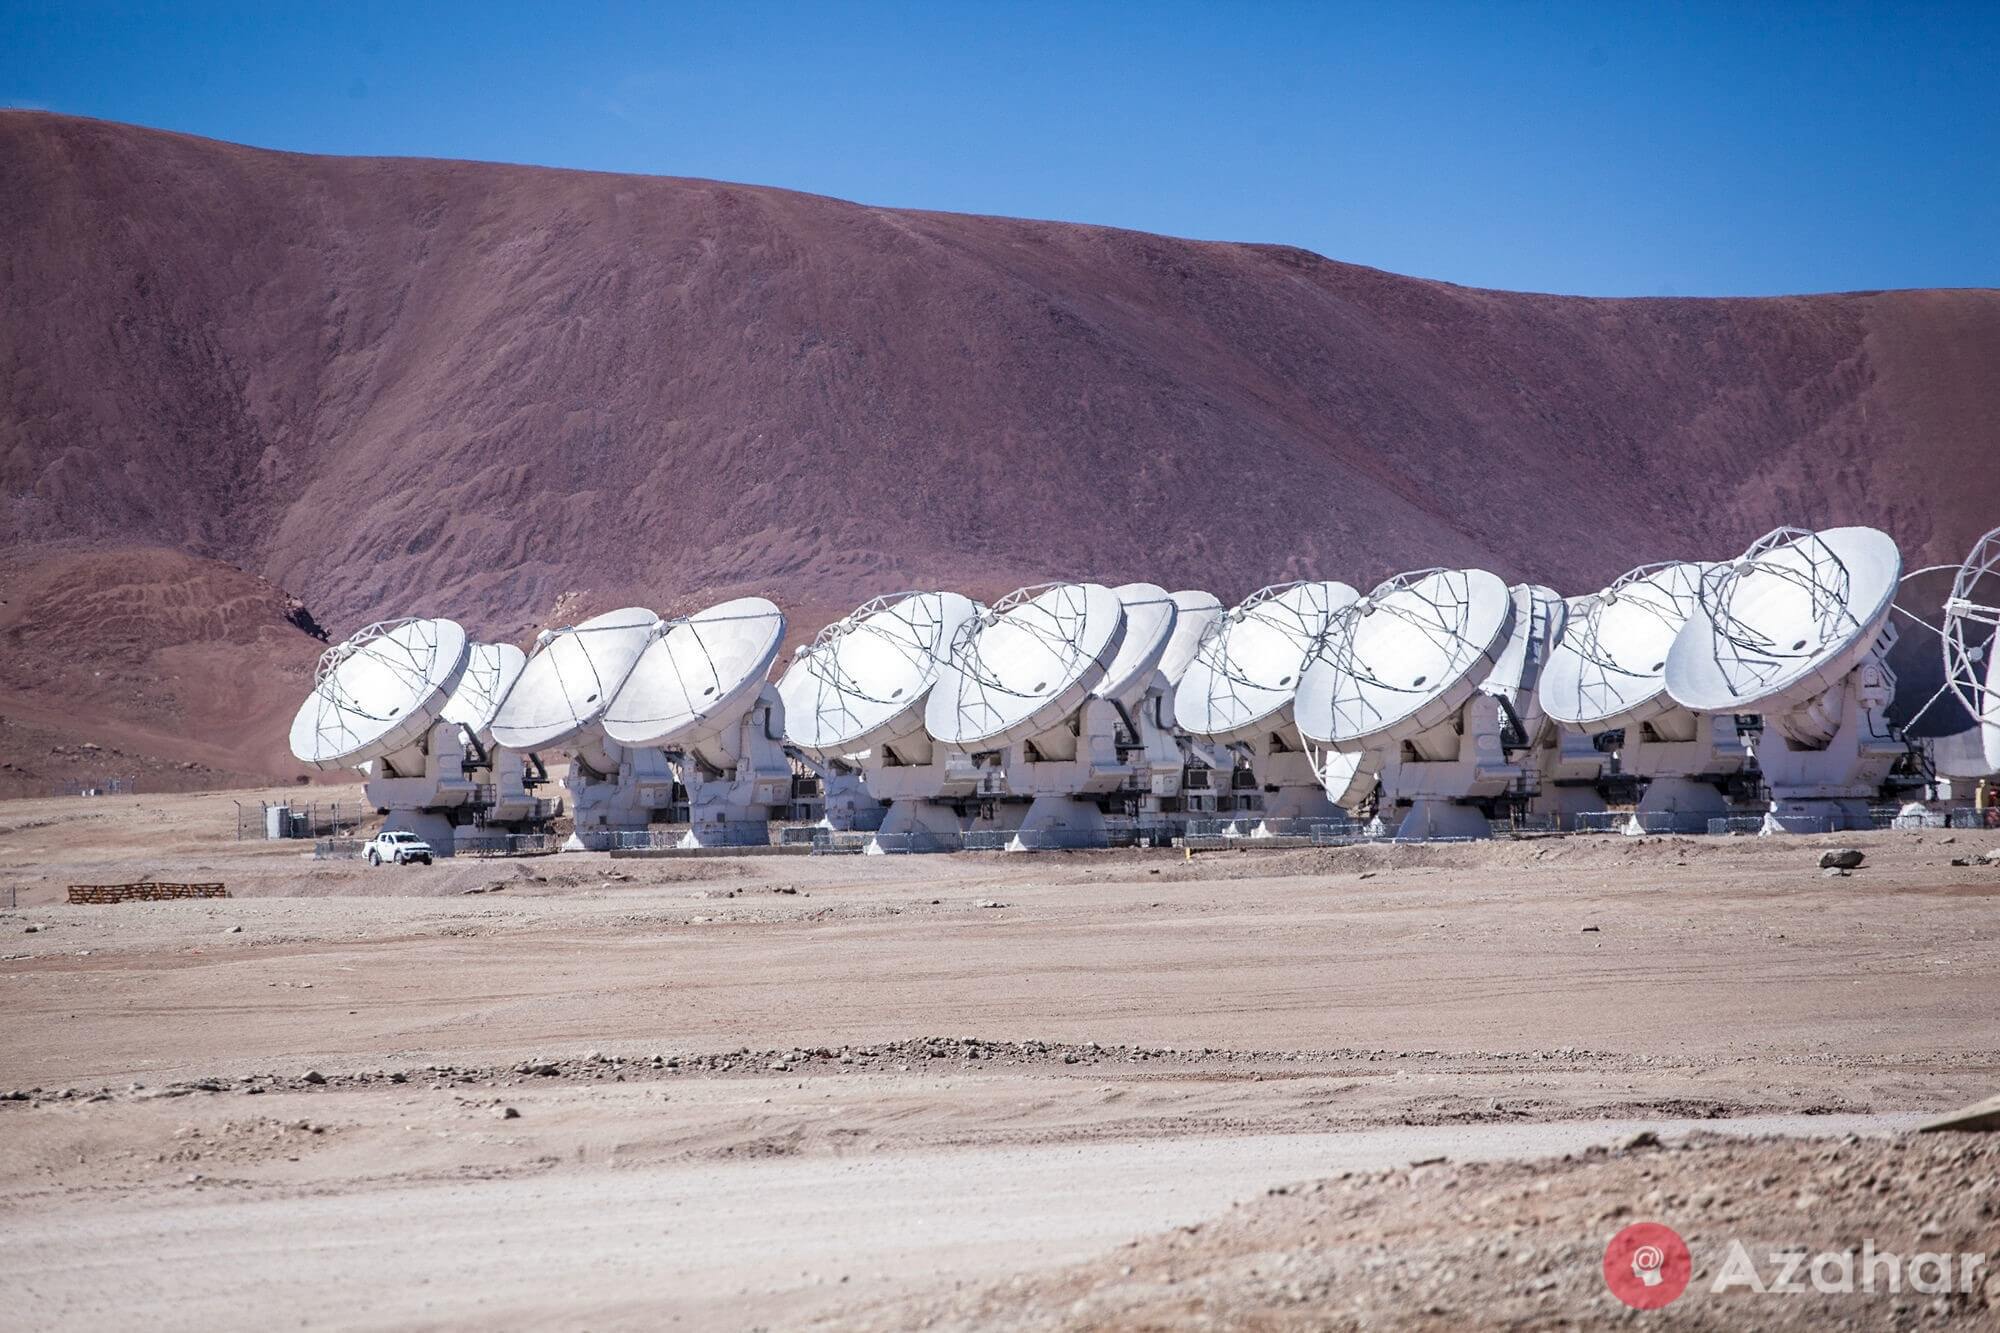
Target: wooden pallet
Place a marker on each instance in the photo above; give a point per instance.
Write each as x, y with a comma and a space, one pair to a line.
146, 892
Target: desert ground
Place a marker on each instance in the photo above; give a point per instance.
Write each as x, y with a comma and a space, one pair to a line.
1361, 1087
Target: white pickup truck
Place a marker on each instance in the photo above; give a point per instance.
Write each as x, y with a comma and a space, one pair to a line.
398, 848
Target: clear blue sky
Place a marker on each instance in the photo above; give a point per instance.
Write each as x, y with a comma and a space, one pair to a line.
1639, 149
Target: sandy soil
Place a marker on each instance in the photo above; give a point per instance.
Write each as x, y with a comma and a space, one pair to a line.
881, 1090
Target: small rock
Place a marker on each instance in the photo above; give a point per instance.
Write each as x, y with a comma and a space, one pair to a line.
1589, 930
314, 1076
991, 902
505, 1113
31, 930
1645, 1138
234, 930
1841, 858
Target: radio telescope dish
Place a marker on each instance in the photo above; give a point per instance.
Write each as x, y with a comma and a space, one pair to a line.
1539, 616
864, 678
1248, 665
490, 672
698, 673
571, 678
1149, 628
378, 692
1608, 670
1020, 667
1784, 622
1972, 641
1405, 658
1194, 612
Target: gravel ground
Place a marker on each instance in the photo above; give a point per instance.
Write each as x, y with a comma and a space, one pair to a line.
1521, 1246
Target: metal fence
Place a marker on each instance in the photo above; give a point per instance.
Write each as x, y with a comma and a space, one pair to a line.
1741, 824
915, 842
1924, 817
336, 849
1601, 821
736, 833
506, 844
1800, 824
1141, 835
1525, 824
643, 840
121, 785
1043, 840
1636, 822
1735, 824
316, 820
855, 842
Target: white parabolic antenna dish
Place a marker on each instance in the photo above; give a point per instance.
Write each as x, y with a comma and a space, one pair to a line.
1405, 658
571, 678
1609, 668
1786, 621
1249, 663
1149, 627
1539, 614
863, 680
1194, 612
697, 675
490, 672
1020, 667
1972, 642
378, 692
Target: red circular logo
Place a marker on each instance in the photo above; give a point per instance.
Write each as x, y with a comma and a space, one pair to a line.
1646, 1265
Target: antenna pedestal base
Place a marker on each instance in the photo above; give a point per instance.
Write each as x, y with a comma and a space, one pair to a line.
848, 806
1828, 786
917, 826
440, 785
1055, 823
1815, 816
1431, 817
1678, 805
432, 827
616, 787
1459, 760
737, 777
1567, 767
